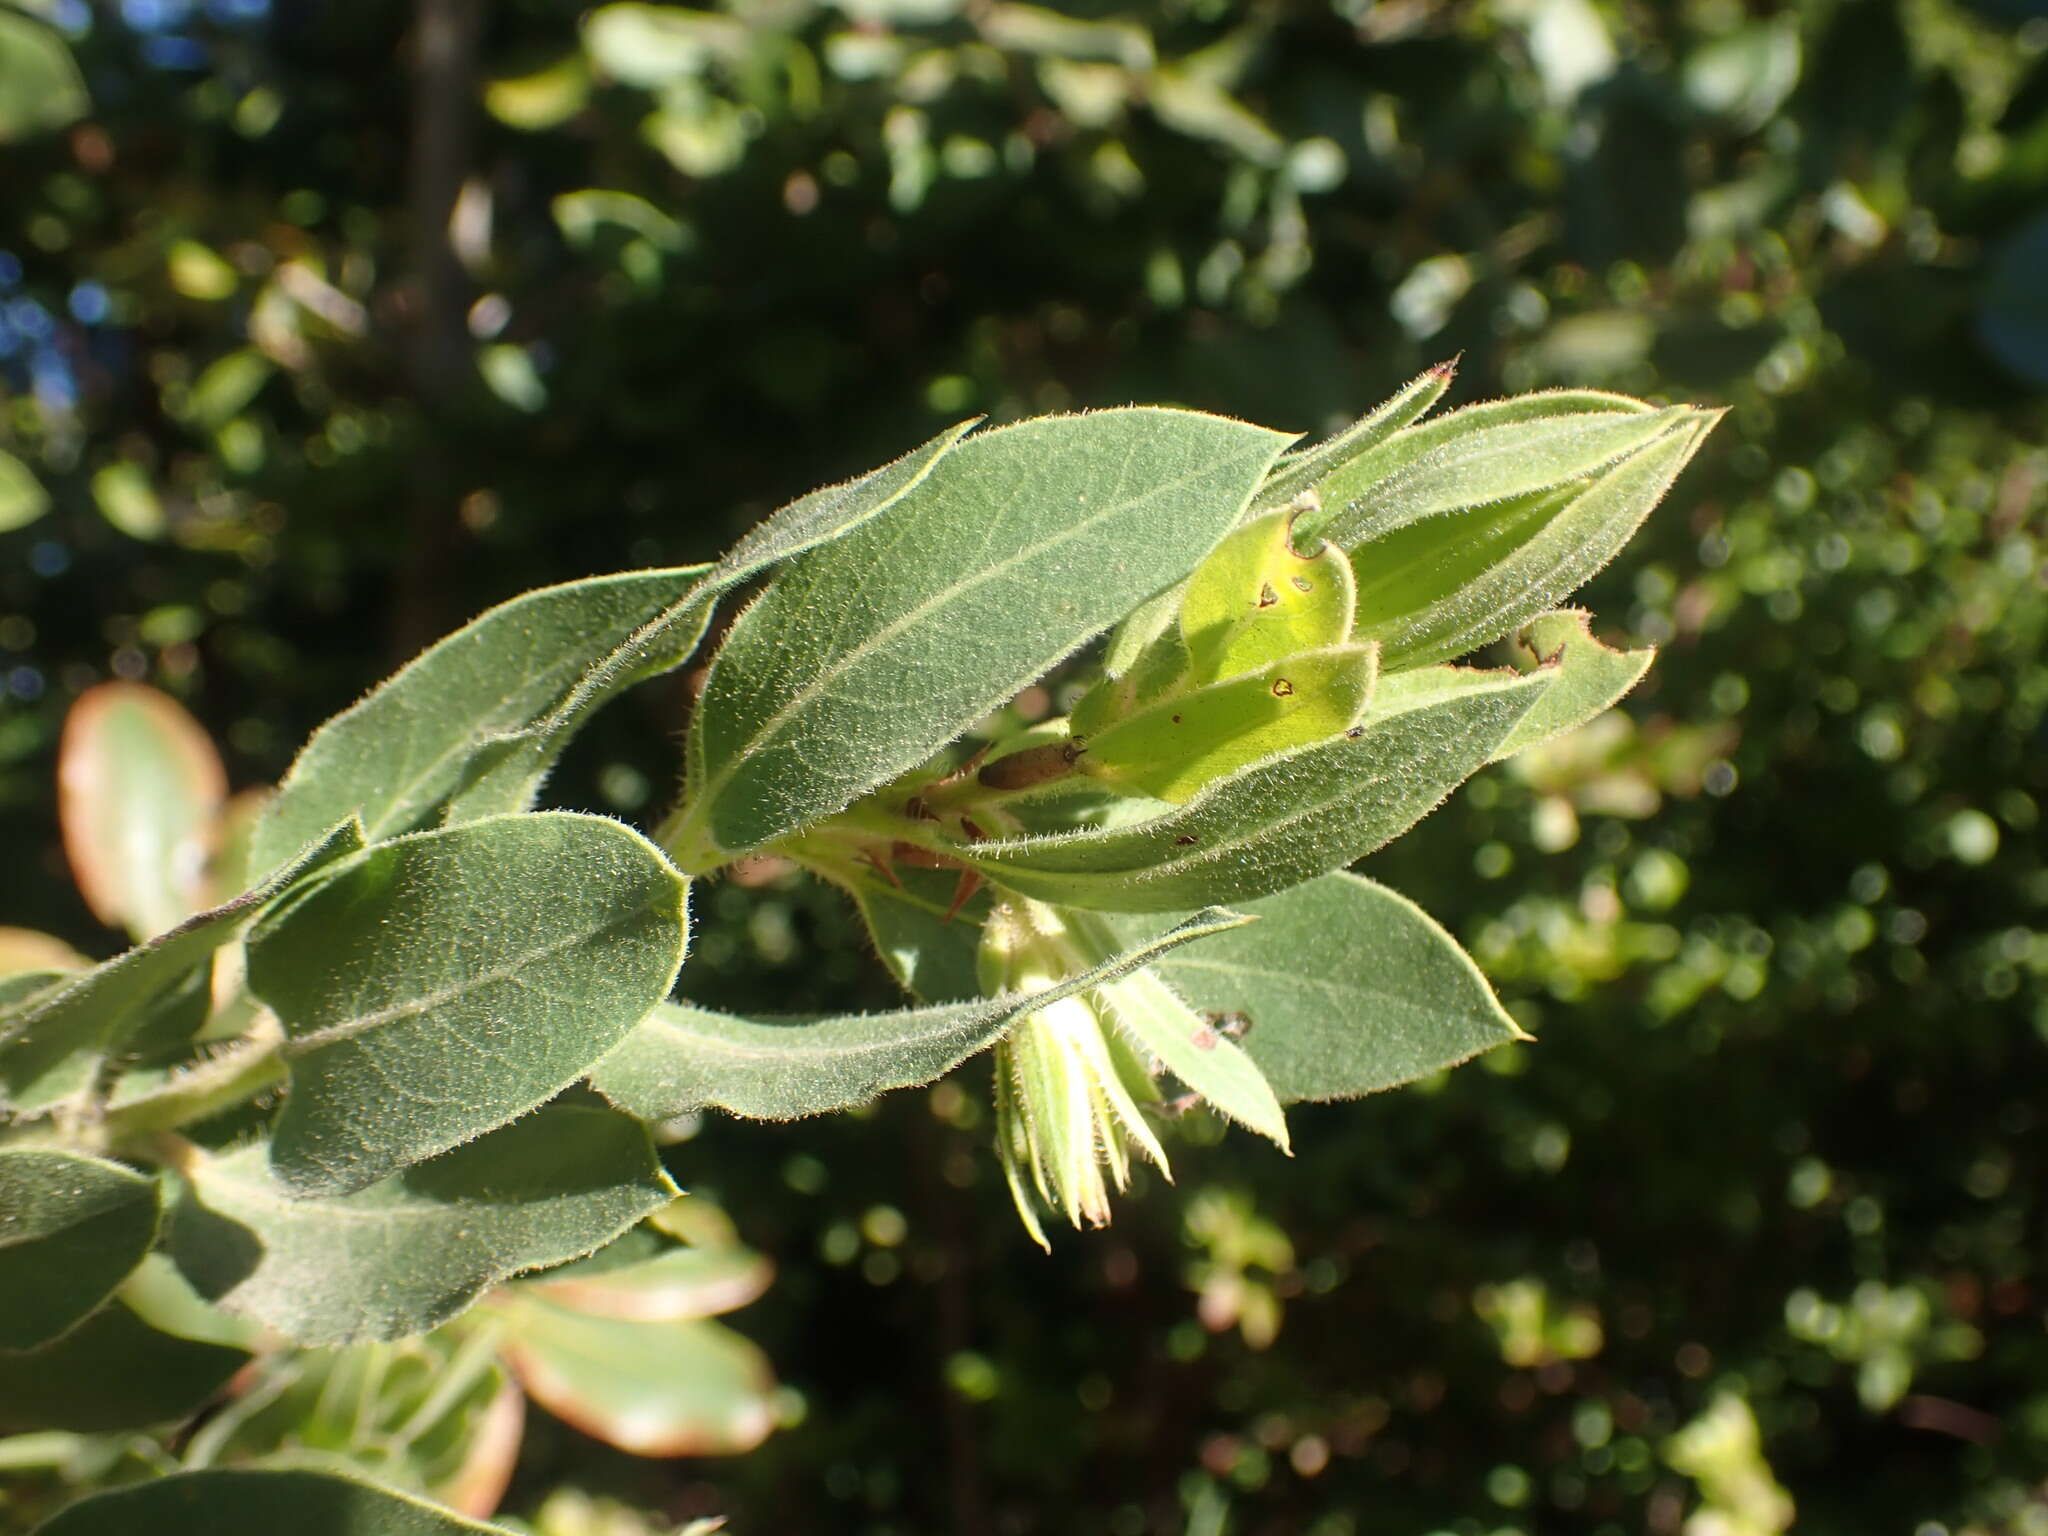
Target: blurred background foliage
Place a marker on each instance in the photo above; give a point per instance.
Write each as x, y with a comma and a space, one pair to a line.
323, 325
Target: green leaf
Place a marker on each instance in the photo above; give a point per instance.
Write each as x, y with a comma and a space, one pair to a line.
683, 1058
226, 386
1255, 600
870, 654
1443, 587
435, 987
1486, 453
932, 955
407, 1254
1591, 677
257, 1503
681, 1283
1277, 823
1347, 988
71, 1229
1163, 1027
1173, 748
1297, 472
689, 1388
512, 764
26, 951
140, 792
111, 1372
40, 87
420, 737
22, 497
52, 1043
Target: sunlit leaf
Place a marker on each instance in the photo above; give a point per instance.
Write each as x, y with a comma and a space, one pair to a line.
435, 987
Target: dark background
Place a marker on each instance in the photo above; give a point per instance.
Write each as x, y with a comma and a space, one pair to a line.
1779, 924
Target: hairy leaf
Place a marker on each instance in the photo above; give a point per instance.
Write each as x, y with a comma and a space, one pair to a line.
435, 987
1161, 1025
1483, 454
1591, 677
1255, 600
1297, 472
71, 1229
53, 1042
1440, 588
111, 1372
1277, 823
511, 765
417, 739
1346, 988
683, 1058
870, 654
241, 1502
412, 1251
1171, 749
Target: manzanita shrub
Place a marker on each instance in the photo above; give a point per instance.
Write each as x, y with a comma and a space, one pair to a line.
410, 1052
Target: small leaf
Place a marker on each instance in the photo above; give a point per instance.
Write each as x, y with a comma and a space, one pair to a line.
875, 651
407, 1254
1277, 823
1346, 987
22, 497
111, 1372
690, 1388
1446, 586
52, 1043
226, 386
1175, 747
679, 1284
1591, 677
419, 738
435, 987
71, 1229
1254, 600
1297, 472
245, 1502
128, 501
1162, 1026
683, 1058
1486, 453
139, 794
932, 955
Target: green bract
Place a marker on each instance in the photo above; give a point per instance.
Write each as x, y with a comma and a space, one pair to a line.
418, 1052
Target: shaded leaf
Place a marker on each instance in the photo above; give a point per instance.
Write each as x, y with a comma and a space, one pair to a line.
411, 1252
113, 1371
870, 654
1276, 823
71, 1228
417, 739
1347, 988
681, 1283
139, 794
52, 1043
691, 1388
256, 1503
683, 1058
435, 987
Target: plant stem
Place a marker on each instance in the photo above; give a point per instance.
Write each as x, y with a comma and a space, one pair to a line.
237, 1074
